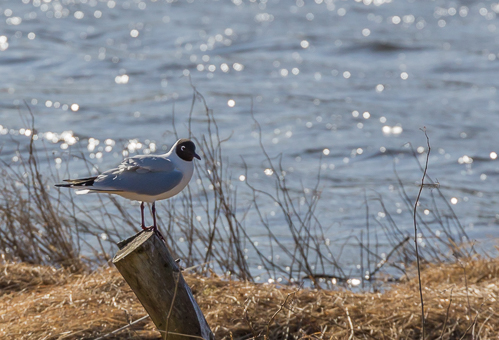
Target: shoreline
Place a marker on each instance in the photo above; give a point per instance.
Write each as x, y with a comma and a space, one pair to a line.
42, 302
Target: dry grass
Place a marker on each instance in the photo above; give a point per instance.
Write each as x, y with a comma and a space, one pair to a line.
39, 302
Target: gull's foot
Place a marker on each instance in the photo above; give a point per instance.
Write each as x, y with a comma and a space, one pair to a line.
155, 230
149, 228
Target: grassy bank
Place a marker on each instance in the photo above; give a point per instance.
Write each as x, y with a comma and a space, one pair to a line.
41, 302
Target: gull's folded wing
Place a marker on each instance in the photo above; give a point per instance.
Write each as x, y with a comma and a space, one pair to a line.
146, 163
144, 175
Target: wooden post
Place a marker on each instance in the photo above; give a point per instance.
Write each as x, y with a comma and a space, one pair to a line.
152, 273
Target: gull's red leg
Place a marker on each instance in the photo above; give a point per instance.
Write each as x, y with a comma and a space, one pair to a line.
155, 226
142, 215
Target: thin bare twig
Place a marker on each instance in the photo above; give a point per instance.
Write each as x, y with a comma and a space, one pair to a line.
446, 314
123, 328
463, 266
277, 312
247, 319
350, 323
469, 327
483, 324
416, 232
177, 280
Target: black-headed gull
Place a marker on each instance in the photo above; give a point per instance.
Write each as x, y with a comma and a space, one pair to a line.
144, 178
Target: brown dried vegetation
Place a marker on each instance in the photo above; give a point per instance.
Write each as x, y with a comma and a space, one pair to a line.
40, 302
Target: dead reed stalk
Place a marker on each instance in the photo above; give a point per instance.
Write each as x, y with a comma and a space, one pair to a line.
416, 235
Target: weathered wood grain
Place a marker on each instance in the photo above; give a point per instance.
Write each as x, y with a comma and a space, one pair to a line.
153, 275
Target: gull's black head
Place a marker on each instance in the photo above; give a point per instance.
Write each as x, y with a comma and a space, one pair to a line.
186, 150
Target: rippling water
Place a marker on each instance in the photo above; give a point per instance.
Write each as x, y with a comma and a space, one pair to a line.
351, 81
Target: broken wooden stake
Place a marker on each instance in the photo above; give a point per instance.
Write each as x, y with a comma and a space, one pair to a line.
152, 273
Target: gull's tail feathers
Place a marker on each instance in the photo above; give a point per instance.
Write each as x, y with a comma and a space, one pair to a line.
85, 186
90, 191
81, 182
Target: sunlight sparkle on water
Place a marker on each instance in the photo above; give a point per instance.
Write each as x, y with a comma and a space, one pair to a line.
123, 79
453, 200
353, 282
268, 172
68, 137
465, 160
92, 143
134, 145
238, 67
493, 155
392, 130
3, 43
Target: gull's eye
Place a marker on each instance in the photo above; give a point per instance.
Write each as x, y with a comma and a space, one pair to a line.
182, 148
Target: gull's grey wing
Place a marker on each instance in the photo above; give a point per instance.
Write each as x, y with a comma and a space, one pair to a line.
144, 175
150, 183
147, 163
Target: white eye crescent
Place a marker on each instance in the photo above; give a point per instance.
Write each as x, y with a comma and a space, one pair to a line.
182, 148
